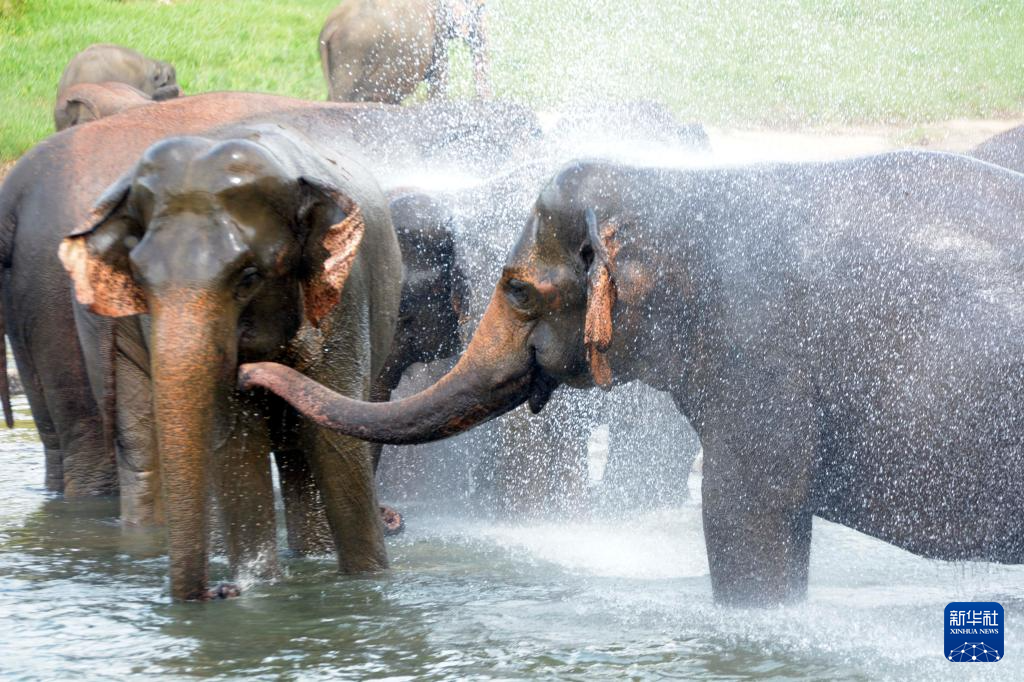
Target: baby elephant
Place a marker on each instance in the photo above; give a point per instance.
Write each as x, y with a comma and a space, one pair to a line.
91, 101
103, 63
380, 50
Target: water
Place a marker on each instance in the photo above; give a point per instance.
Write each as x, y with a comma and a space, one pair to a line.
468, 598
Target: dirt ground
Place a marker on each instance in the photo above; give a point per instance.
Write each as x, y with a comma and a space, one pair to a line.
960, 135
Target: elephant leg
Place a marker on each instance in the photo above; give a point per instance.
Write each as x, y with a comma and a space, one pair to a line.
137, 462
343, 468
305, 518
543, 468
757, 557
245, 495
88, 464
758, 470
53, 455
77, 459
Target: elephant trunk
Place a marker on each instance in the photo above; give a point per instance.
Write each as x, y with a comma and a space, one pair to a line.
496, 374
190, 341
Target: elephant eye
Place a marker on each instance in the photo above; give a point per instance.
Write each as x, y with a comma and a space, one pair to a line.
248, 282
518, 292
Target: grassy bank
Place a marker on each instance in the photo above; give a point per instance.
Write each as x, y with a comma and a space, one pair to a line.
788, 62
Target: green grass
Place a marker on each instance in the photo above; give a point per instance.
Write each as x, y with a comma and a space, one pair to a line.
738, 62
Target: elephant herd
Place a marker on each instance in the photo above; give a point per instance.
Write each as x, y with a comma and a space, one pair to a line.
370, 51
196, 283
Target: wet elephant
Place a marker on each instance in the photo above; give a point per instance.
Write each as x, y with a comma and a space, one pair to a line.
845, 337
435, 292
381, 50
105, 63
92, 101
254, 243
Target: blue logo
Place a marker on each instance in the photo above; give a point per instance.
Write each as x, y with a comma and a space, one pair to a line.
974, 632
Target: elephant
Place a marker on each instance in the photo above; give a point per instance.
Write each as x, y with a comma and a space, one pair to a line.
434, 297
631, 122
845, 337
435, 291
105, 63
252, 243
1005, 149
381, 50
91, 101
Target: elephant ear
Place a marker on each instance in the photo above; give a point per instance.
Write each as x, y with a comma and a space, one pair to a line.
335, 227
601, 296
96, 257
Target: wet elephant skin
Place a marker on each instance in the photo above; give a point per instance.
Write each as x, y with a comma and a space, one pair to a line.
845, 338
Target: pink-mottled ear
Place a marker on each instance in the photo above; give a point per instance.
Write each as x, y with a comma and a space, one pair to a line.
96, 257
337, 226
601, 296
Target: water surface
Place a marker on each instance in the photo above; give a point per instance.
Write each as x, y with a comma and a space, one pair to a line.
467, 598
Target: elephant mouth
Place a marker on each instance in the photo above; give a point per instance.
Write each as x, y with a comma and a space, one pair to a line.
542, 385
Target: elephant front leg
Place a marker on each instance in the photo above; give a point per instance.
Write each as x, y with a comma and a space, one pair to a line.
245, 493
138, 467
757, 557
343, 468
758, 473
305, 519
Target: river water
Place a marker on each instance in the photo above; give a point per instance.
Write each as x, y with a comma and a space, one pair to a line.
468, 598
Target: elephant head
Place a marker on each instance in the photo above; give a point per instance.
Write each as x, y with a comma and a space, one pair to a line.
229, 245
548, 322
435, 291
163, 81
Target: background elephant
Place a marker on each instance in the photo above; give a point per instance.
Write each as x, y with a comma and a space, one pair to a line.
1005, 149
435, 292
91, 101
381, 50
825, 326
250, 244
104, 63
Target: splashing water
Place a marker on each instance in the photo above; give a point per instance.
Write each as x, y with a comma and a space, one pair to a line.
466, 598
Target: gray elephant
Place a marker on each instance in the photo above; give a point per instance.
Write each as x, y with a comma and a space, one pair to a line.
846, 338
252, 243
435, 292
104, 63
381, 50
92, 101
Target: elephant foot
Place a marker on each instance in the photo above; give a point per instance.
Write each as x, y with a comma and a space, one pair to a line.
393, 521
222, 591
